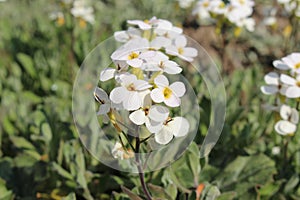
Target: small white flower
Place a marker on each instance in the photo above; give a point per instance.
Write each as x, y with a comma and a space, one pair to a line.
144, 25
161, 62
274, 85
290, 119
218, 7
109, 73
128, 92
185, 3
293, 90
276, 150
82, 11
170, 95
179, 49
151, 115
290, 62
202, 10
178, 127
125, 36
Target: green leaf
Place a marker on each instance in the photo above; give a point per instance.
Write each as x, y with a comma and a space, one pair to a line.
27, 63
71, 196
227, 196
159, 192
131, 195
270, 189
61, 171
291, 184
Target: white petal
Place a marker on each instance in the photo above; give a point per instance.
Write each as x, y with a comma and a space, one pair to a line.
173, 101
180, 126
141, 85
287, 79
280, 65
133, 101
107, 74
172, 67
272, 78
158, 113
157, 95
164, 136
285, 127
269, 89
161, 81
118, 94
293, 92
178, 88
100, 94
137, 63
159, 42
153, 126
121, 36
138, 117
172, 50
127, 79
294, 116
145, 96
103, 109
285, 111
190, 52
180, 41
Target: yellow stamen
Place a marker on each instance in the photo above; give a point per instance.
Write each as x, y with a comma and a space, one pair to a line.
60, 21
298, 83
205, 4
132, 56
180, 50
167, 92
131, 87
297, 66
82, 23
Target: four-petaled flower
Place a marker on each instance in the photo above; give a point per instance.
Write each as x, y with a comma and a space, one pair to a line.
169, 94
290, 119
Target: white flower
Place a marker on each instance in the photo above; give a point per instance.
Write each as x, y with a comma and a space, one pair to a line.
128, 92
161, 62
290, 119
119, 152
132, 52
170, 95
109, 73
290, 62
105, 104
178, 127
293, 90
179, 49
202, 10
274, 85
276, 150
144, 25
185, 3
151, 115
82, 11
218, 7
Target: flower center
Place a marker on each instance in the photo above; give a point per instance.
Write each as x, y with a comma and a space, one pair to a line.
131, 87
180, 50
242, 1
297, 66
132, 56
298, 83
146, 110
222, 5
167, 92
60, 21
161, 65
82, 23
205, 4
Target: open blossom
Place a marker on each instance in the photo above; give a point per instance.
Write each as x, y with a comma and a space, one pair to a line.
169, 94
274, 85
291, 62
172, 127
185, 3
128, 92
179, 49
152, 116
125, 36
290, 119
293, 85
83, 12
161, 62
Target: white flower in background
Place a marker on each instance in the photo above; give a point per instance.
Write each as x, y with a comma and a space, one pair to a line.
161, 62
58, 17
169, 94
270, 16
274, 85
185, 3
293, 89
125, 36
119, 152
144, 25
179, 49
290, 119
292, 62
291, 6
177, 126
202, 10
276, 150
83, 12
217, 7
153, 116
128, 92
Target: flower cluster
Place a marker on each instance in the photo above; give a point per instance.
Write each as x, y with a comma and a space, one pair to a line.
78, 9
286, 86
234, 12
291, 6
140, 69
